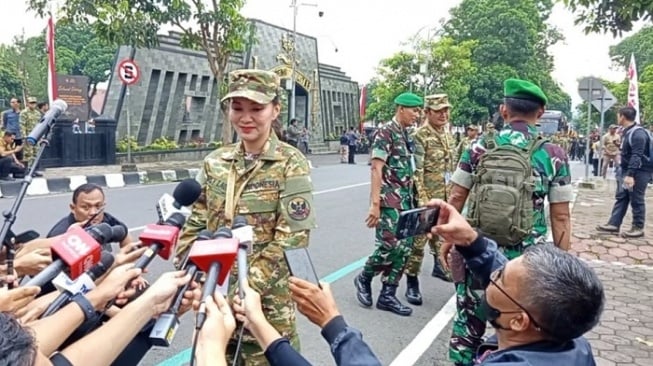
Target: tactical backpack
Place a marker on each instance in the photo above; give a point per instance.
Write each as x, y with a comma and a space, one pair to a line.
648, 157
501, 201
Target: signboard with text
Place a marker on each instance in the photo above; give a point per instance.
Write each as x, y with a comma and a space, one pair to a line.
73, 89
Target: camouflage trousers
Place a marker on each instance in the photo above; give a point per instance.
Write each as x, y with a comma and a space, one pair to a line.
344, 153
250, 353
414, 264
469, 322
390, 256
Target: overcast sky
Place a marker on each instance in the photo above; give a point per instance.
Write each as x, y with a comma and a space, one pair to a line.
365, 31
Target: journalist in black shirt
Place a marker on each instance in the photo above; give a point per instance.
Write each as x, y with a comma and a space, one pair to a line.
633, 176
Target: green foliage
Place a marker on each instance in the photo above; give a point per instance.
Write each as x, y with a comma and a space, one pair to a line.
640, 44
220, 28
122, 144
10, 83
615, 16
162, 143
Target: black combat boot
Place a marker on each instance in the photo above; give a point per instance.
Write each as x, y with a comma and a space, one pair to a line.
363, 289
412, 290
438, 271
388, 301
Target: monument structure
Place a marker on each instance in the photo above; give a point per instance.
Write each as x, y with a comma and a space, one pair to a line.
177, 94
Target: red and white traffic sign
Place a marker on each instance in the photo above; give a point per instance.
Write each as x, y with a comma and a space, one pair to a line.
128, 72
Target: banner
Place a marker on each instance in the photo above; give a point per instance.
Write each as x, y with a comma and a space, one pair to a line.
362, 103
633, 87
52, 72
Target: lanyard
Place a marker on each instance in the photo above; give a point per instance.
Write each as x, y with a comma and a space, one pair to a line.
232, 196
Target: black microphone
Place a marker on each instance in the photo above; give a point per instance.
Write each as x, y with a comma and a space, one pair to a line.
245, 235
166, 325
57, 108
83, 284
75, 251
161, 239
185, 194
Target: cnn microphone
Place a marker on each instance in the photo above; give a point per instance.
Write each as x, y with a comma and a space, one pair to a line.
215, 257
185, 194
162, 239
82, 285
74, 252
166, 325
245, 235
57, 108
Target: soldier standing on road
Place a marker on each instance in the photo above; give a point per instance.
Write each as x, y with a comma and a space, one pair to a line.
470, 136
266, 181
392, 191
29, 117
293, 133
434, 162
611, 144
547, 176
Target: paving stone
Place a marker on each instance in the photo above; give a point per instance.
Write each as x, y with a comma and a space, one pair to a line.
618, 252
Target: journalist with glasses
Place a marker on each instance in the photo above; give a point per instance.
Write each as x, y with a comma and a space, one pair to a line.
540, 304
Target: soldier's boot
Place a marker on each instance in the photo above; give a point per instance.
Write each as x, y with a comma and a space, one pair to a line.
634, 232
413, 294
388, 301
438, 271
363, 289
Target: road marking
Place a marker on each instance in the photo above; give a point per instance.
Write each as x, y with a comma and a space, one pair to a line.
423, 340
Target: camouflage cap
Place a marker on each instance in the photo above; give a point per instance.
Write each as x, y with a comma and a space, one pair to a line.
259, 86
31, 100
437, 102
613, 126
472, 127
489, 125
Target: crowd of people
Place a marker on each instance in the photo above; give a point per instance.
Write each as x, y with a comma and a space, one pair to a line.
490, 236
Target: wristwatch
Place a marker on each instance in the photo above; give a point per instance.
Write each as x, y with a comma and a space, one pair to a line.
85, 305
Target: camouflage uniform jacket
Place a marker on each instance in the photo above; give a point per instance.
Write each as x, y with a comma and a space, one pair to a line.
551, 171
464, 144
434, 158
276, 200
28, 119
393, 145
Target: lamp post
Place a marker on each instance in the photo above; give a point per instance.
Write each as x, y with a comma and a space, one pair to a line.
295, 7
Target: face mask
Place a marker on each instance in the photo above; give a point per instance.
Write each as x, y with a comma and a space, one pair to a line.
492, 314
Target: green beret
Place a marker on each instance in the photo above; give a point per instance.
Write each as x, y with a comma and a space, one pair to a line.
409, 100
522, 89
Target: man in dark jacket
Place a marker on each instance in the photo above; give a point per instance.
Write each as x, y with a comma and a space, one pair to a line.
632, 177
540, 304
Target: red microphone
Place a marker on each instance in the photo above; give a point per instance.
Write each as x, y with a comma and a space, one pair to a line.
74, 252
161, 239
215, 258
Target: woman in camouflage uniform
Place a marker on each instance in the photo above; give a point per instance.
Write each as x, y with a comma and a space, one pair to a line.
267, 181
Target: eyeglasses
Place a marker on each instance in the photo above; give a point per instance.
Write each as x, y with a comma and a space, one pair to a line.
494, 276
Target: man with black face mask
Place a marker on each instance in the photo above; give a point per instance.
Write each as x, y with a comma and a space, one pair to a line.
540, 303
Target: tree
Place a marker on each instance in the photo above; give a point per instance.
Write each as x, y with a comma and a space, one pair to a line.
10, 84
615, 16
640, 44
216, 27
512, 40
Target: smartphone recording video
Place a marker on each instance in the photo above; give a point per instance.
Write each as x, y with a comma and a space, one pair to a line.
418, 221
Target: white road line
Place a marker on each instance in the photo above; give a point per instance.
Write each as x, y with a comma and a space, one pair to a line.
341, 188
412, 353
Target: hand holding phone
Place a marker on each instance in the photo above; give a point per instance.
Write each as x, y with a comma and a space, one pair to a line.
418, 221
300, 265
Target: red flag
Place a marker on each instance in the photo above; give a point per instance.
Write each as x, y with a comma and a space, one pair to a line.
633, 86
52, 71
361, 104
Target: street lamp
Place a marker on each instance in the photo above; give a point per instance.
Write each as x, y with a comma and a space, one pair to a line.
295, 7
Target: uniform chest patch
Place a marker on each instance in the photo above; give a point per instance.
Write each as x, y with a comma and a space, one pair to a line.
298, 209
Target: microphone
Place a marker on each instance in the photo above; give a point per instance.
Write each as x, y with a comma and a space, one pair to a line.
215, 257
57, 108
186, 192
166, 325
82, 285
162, 239
245, 235
106, 234
75, 252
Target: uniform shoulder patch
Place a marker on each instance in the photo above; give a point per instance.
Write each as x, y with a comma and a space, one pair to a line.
298, 209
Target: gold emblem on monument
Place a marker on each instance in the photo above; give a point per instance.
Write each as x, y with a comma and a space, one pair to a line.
287, 49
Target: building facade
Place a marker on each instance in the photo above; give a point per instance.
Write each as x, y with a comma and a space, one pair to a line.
177, 95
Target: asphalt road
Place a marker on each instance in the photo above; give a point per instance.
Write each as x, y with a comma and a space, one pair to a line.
338, 247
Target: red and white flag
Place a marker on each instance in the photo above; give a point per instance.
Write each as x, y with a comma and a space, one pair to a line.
361, 104
633, 86
52, 70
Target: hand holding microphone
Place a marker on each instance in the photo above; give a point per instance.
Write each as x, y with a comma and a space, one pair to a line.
161, 239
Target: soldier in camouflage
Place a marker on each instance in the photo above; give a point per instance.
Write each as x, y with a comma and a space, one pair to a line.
523, 105
470, 136
29, 117
392, 192
434, 162
488, 135
266, 181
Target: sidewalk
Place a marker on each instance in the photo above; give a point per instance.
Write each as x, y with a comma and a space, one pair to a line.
625, 333
57, 180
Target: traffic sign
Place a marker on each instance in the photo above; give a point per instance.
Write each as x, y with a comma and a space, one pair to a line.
608, 101
128, 72
584, 86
